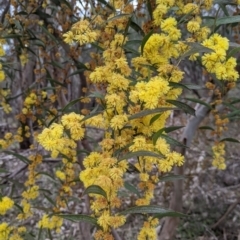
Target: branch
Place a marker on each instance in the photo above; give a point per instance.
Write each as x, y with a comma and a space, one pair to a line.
229, 210
170, 224
5, 11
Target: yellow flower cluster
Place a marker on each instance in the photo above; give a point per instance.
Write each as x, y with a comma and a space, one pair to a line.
55, 140
4, 93
81, 32
106, 172
2, 74
7, 140
4, 231
32, 191
6, 203
51, 223
148, 231
218, 155
217, 61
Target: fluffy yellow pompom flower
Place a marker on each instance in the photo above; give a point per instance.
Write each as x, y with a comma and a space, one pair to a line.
2, 76
118, 121
4, 230
6, 203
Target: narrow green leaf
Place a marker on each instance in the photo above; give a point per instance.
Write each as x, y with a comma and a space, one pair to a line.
79, 218
39, 233
152, 209
159, 133
206, 128
155, 118
133, 42
227, 20
11, 36
131, 188
49, 34
107, 4
92, 114
199, 101
233, 52
196, 48
56, 64
95, 189
233, 114
229, 140
145, 39
140, 154
49, 234
169, 140
150, 111
137, 28
52, 81
70, 105
119, 16
50, 200
183, 106
48, 175
171, 129
20, 157
96, 95
171, 177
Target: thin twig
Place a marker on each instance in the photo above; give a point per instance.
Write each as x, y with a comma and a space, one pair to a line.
229, 210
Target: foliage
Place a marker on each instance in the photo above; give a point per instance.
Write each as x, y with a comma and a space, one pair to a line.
132, 75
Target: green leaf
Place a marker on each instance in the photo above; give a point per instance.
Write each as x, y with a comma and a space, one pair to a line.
131, 188
56, 64
52, 81
159, 133
96, 95
169, 140
50, 200
20, 157
130, 50
145, 39
171, 177
49, 34
11, 36
119, 16
183, 106
206, 128
233, 52
92, 114
137, 28
140, 154
171, 129
233, 114
196, 48
199, 101
229, 140
95, 189
106, 4
227, 20
79, 218
150, 111
154, 118
152, 209
70, 104
48, 175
